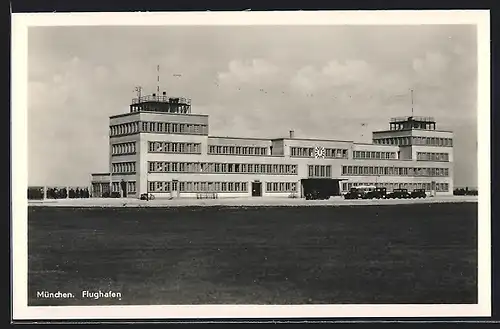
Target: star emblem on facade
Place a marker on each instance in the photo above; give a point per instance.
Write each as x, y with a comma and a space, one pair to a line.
319, 152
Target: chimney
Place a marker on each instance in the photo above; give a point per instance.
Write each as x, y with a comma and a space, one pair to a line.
292, 134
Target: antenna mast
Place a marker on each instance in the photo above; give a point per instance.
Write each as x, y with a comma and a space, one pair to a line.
158, 79
411, 90
138, 90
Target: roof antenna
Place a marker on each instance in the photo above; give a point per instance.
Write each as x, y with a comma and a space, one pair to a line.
158, 79
411, 90
138, 90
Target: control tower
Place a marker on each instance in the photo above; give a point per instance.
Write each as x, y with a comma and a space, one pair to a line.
410, 132
411, 122
161, 103
419, 141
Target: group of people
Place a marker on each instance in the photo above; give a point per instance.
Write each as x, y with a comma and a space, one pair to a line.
464, 191
37, 193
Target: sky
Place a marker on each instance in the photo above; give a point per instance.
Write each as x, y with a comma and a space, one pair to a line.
336, 82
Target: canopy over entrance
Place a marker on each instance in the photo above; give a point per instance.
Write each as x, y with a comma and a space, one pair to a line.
320, 188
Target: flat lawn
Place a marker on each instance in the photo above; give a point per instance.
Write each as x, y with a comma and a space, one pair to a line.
424, 253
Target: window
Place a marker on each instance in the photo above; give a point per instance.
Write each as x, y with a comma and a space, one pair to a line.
319, 171
237, 150
123, 167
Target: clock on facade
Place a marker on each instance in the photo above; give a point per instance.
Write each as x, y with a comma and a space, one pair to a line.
319, 152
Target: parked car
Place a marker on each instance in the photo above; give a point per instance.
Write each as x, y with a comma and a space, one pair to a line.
146, 196
399, 193
360, 192
353, 193
377, 193
418, 193
317, 195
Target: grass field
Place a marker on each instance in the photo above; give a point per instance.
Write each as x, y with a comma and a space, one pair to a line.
424, 253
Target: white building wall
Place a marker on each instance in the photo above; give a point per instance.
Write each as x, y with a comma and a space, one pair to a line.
405, 153
412, 132
125, 118
174, 117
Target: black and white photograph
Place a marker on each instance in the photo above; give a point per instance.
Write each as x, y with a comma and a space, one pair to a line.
251, 165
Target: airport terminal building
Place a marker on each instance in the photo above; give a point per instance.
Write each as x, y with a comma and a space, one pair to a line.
163, 149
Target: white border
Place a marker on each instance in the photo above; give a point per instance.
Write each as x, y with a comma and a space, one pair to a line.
20, 24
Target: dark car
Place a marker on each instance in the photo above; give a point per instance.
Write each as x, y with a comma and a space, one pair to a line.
146, 196
399, 193
418, 193
317, 195
353, 193
377, 193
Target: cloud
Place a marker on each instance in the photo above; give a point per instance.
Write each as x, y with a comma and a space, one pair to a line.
250, 81
253, 71
65, 124
429, 70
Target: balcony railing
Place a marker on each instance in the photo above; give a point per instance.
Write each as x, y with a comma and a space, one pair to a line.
162, 98
413, 118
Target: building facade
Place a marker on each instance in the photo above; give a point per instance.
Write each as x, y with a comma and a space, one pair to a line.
163, 149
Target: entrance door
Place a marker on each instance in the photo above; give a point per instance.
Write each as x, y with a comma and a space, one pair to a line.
256, 189
106, 190
175, 189
123, 187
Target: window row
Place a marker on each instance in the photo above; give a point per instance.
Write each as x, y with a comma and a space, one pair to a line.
440, 187
319, 171
222, 168
123, 148
123, 167
237, 150
310, 152
158, 127
394, 171
124, 129
427, 156
429, 141
373, 155
281, 187
174, 128
187, 187
174, 147
131, 187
